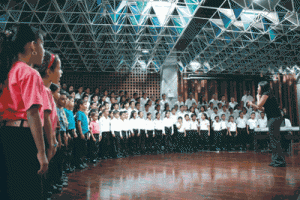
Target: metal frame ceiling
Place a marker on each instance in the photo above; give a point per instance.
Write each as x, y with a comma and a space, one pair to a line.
210, 37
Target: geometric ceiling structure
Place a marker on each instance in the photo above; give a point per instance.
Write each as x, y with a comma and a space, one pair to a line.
207, 36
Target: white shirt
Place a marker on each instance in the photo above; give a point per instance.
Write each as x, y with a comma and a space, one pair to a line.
241, 123
149, 125
232, 126
187, 125
262, 123
181, 114
134, 124
168, 122
154, 114
252, 123
194, 125
232, 105
217, 126
141, 123
174, 118
133, 100
104, 124
189, 102
145, 113
181, 129
158, 125
115, 125
224, 124
204, 125
209, 112
144, 101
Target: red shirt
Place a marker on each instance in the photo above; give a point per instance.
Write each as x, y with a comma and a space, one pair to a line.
94, 127
53, 115
25, 88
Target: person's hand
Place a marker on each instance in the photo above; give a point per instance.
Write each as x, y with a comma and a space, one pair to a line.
82, 136
153, 135
100, 138
121, 137
139, 134
69, 136
75, 135
43, 163
113, 135
171, 134
147, 135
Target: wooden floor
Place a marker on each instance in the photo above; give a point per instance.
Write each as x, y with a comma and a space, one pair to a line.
202, 175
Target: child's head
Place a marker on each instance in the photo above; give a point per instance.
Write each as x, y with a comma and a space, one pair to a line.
204, 116
194, 117
94, 105
232, 99
217, 118
122, 115
241, 114
167, 114
62, 99
132, 104
141, 114
223, 117
133, 113
116, 114
262, 114
173, 111
94, 116
224, 108
186, 116
216, 110
220, 105
70, 104
157, 115
176, 107
111, 114
138, 106
182, 108
253, 115
179, 119
82, 105
116, 106
211, 104
148, 115
231, 118
202, 109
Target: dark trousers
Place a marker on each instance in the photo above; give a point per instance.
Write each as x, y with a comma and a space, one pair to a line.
106, 145
143, 141
232, 140
93, 147
158, 140
180, 142
20, 164
80, 149
124, 143
275, 140
204, 139
150, 140
174, 136
194, 140
168, 139
71, 146
218, 139
251, 139
135, 141
243, 137
118, 144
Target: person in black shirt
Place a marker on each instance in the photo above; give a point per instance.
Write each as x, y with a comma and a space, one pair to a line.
267, 102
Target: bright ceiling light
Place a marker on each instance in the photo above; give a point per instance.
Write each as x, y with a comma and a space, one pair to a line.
145, 51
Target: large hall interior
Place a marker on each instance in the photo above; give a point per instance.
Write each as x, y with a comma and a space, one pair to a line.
174, 97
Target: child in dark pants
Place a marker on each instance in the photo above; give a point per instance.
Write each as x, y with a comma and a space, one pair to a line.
94, 139
204, 131
82, 132
232, 134
217, 127
180, 136
241, 124
251, 125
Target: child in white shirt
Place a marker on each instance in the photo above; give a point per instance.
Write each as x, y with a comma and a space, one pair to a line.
251, 125
232, 133
217, 127
241, 124
180, 135
204, 131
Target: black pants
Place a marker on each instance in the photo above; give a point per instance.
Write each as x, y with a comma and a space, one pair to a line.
71, 146
150, 141
180, 142
168, 139
80, 149
124, 143
93, 147
204, 139
143, 141
174, 136
218, 139
243, 137
135, 141
232, 140
251, 139
194, 140
158, 140
106, 145
275, 140
118, 144
20, 164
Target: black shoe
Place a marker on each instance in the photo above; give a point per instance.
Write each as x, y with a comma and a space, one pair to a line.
80, 166
279, 165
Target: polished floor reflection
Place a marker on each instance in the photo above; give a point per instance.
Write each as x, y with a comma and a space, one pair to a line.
203, 175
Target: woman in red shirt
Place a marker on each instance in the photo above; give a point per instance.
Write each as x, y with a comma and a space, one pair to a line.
21, 105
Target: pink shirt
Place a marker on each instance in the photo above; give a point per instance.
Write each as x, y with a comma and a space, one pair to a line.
53, 115
94, 127
25, 88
